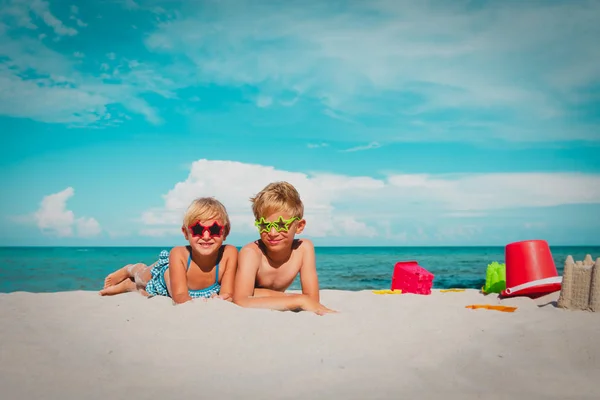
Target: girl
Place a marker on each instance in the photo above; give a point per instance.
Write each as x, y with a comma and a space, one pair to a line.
204, 269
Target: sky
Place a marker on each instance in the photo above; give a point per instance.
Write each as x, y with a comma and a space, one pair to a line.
400, 123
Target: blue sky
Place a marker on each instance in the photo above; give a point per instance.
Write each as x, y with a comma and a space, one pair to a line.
400, 122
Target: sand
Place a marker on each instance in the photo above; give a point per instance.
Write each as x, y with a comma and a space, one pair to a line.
78, 345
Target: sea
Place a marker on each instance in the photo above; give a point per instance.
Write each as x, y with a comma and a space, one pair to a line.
57, 269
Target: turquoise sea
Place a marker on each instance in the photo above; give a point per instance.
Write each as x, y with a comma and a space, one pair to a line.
53, 269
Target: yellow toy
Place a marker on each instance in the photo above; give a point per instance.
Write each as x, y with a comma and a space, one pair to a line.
388, 291
452, 290
492, 307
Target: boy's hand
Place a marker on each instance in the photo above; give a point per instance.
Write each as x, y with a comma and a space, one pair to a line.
316, 307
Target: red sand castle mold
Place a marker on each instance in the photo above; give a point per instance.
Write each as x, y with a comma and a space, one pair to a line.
530, 269
410, 277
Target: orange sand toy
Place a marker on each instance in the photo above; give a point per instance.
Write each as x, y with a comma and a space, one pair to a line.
492, 307
387, 291
452, 290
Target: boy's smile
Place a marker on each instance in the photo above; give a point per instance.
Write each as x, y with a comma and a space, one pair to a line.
273, 242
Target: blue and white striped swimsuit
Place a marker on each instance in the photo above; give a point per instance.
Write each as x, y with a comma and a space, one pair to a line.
158, 287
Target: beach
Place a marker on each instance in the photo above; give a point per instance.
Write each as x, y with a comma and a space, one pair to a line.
77, 344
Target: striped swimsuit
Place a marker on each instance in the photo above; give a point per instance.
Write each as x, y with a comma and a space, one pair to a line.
158, 287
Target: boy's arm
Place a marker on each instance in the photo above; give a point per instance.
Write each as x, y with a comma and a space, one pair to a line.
248, 262
308, 270
177, 284
229, 266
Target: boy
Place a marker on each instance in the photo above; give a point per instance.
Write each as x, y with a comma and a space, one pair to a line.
267, 267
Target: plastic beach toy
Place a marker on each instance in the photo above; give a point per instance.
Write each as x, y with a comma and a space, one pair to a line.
491, 307
387, 291
495, 278
530, 269
410, 277
451, 290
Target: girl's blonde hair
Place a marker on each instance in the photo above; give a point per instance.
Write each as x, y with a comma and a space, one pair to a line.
277, 197
207, 208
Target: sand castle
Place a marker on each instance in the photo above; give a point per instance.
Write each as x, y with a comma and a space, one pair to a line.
581, 285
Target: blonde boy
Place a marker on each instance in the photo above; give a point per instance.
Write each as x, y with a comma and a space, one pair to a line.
267, 267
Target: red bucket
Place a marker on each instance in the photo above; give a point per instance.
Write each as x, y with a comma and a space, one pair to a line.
530, 269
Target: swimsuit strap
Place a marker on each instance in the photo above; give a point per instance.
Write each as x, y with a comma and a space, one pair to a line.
189, 261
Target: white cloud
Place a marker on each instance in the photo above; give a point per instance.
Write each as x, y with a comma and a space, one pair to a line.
88, 227
39, 83
493, 191
58, 93
42, 10
130, 4
372, 145
18, 14
79, 22
74, 11
337, 115
342, 205
399, 59
264, 101
233, 183
516, 69
53, 217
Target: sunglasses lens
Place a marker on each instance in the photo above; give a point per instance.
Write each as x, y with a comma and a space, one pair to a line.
263, 226
197, 230
215, 229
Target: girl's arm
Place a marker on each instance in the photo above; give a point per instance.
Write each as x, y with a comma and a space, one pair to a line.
229, 265
177, 285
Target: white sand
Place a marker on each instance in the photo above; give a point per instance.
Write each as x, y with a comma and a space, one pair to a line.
78, 345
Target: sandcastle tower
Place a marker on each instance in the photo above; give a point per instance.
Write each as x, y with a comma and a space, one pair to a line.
581, 285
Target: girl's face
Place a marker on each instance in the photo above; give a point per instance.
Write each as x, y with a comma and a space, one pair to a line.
205, 237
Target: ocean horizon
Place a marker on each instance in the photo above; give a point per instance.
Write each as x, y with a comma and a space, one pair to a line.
67, 268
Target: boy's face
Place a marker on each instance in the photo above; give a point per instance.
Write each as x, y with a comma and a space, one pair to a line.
205, 237
278, 230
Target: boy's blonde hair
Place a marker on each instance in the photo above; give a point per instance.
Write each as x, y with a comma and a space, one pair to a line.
207, 208
277, 197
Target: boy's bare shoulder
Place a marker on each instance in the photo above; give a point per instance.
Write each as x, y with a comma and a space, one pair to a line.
251, 250
304, 246
251, 247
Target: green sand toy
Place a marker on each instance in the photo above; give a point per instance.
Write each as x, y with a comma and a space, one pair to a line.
495, 279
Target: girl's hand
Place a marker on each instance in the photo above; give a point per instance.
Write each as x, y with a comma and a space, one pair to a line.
224, 296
